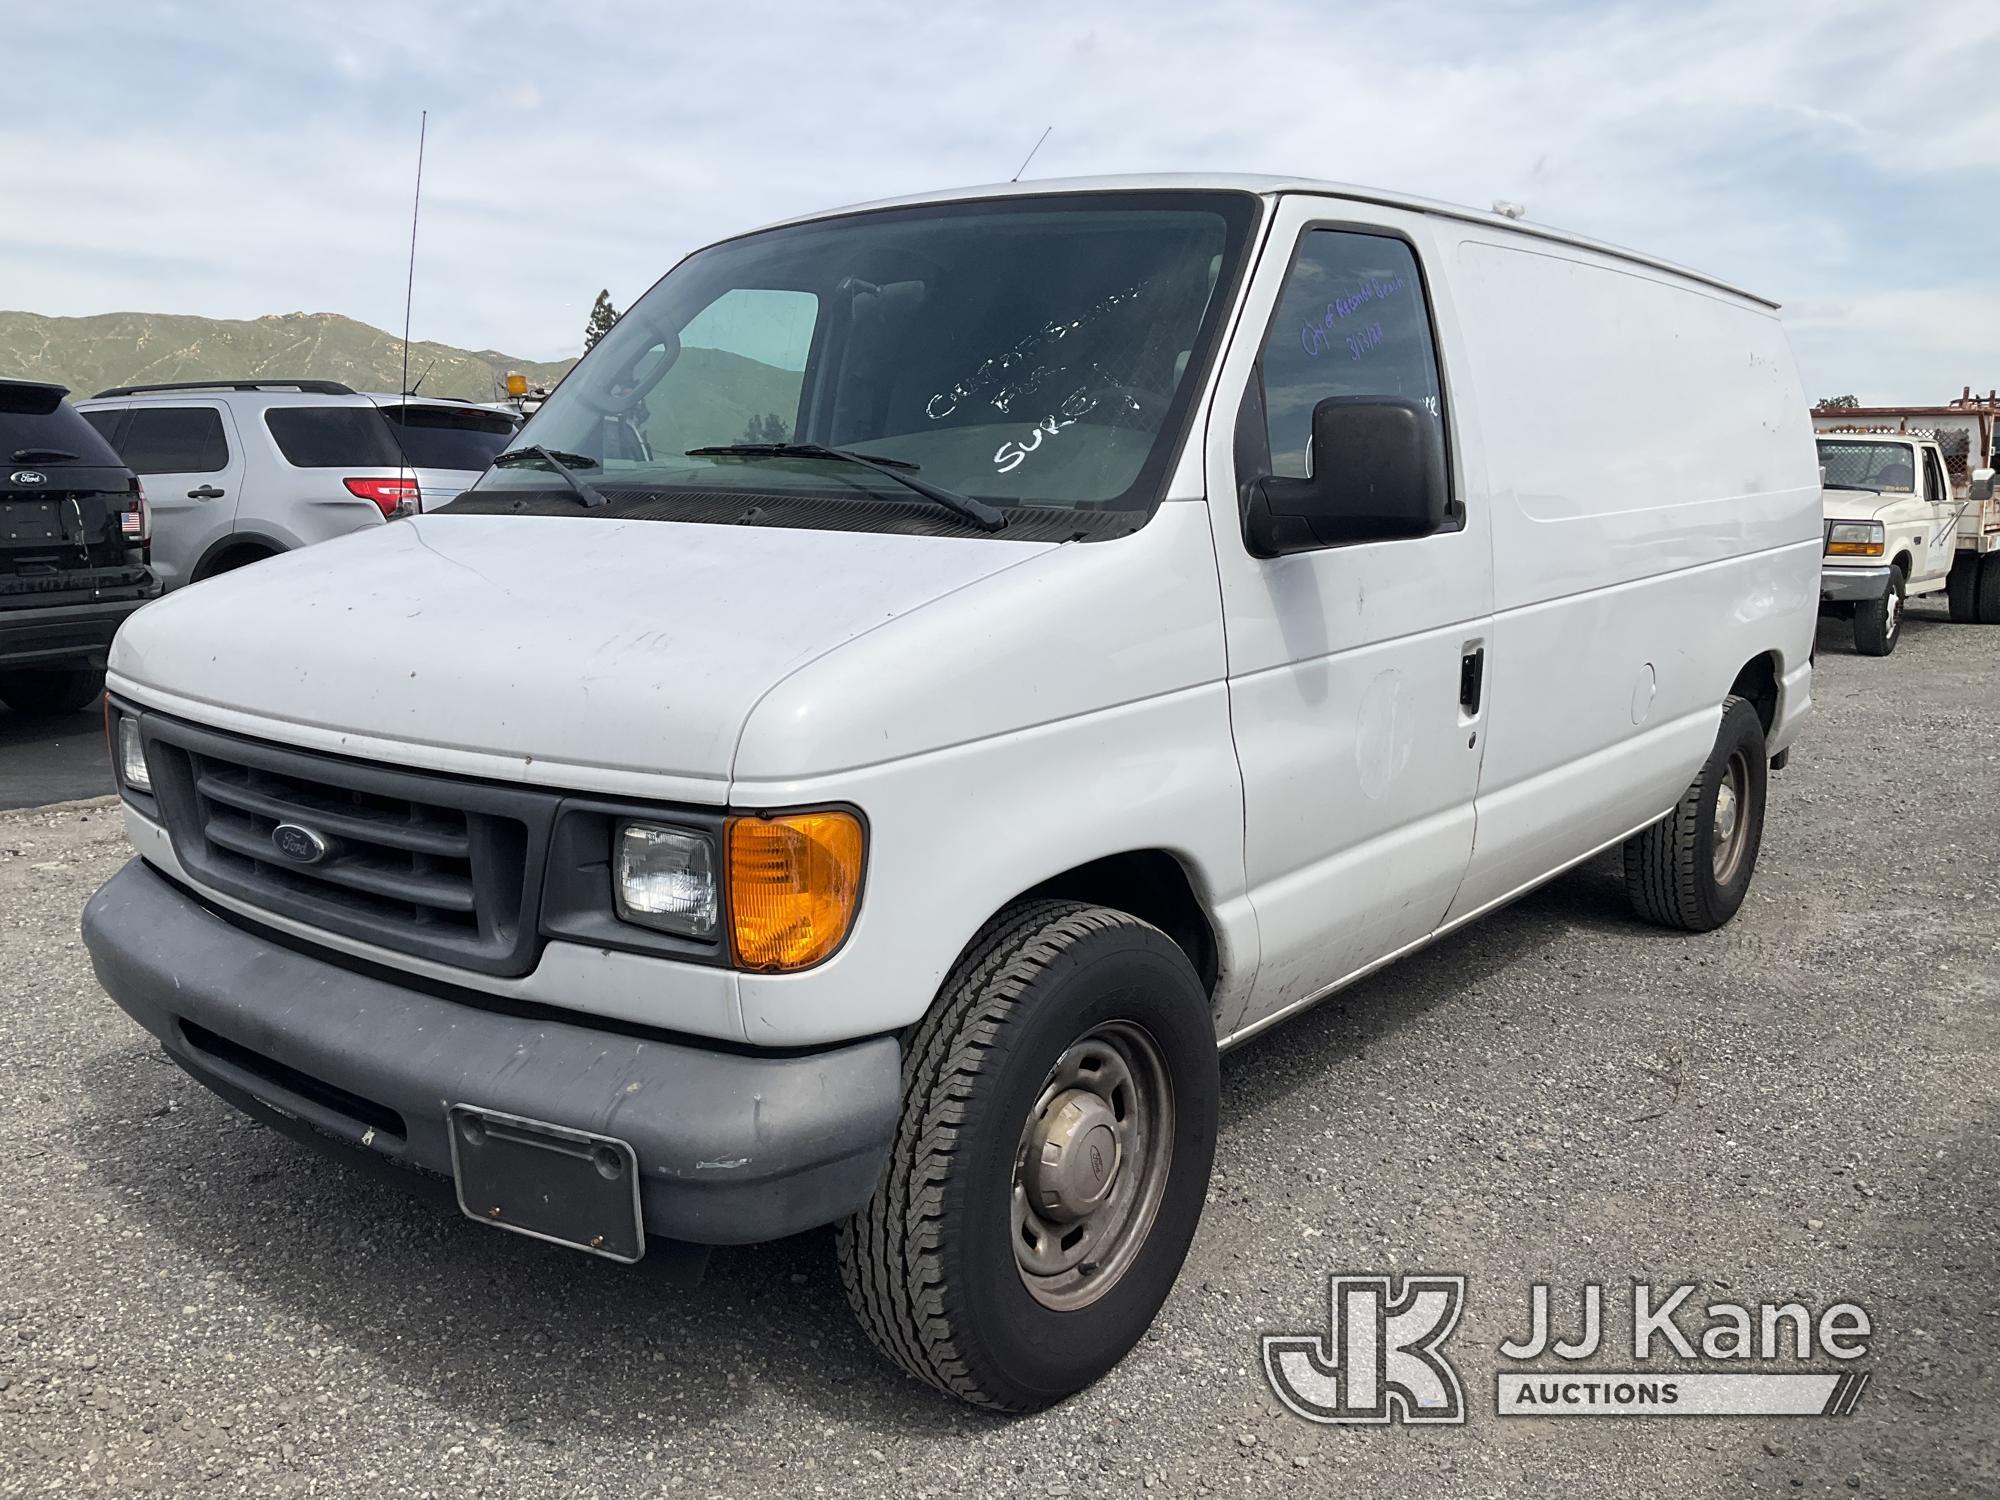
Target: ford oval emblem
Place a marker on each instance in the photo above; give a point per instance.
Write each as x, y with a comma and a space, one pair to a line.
27, 477
301, 845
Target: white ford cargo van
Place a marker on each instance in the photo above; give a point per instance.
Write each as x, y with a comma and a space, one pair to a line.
933, 675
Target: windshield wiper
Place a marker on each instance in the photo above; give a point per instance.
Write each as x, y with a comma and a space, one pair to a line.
1831, 484
43, 456
978, 512
585, 491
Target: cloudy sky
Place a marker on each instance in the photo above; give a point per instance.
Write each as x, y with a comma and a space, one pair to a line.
233, 159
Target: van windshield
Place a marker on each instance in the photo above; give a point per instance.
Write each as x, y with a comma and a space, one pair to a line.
1889, 467
1027, 352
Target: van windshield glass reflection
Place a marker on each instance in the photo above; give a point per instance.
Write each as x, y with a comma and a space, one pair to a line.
1024, 352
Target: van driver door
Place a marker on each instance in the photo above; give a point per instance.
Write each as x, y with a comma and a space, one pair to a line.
1356, 671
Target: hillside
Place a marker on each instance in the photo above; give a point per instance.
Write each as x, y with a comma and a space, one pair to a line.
89, 354
710, 395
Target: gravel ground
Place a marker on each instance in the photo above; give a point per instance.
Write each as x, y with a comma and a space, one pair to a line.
1803, 1105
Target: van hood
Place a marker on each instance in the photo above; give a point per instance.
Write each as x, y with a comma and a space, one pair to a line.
635, 646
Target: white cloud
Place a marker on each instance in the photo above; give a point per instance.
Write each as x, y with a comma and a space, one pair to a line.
258, 158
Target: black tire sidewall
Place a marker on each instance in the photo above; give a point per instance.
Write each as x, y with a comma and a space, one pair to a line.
1741, 730
1962, 590
1876, 630
1028, 1354
1986, 597
57, 690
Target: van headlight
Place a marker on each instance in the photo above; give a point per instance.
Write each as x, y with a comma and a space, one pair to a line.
665, 879
132, 756
785, 885
1854, 539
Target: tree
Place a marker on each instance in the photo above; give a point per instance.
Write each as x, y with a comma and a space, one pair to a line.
602, 316
1839, 403
769, 428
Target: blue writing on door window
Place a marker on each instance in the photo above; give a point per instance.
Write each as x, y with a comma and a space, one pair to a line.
1323, 333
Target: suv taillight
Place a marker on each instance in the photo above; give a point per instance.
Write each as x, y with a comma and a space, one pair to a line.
137, 521
396, 497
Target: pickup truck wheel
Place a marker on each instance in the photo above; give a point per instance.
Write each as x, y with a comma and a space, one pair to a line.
1961, 589
1692, 868
61, 691
1987, 602
1878, 623
1059, 1117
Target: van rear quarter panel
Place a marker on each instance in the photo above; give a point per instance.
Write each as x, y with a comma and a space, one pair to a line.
1655, 493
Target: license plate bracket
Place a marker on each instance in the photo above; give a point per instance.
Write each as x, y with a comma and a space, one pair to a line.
551, 1182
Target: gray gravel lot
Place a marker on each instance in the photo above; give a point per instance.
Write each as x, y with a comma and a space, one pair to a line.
1803, 1105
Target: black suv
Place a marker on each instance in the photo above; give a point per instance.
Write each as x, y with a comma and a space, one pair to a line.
74, 550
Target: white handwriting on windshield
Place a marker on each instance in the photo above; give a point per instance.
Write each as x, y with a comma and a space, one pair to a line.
1033, 360
1010, 455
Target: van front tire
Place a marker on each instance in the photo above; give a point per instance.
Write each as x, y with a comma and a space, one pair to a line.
1692, 869
1059, 1118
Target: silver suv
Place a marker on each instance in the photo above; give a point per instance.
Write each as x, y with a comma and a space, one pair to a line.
242, 470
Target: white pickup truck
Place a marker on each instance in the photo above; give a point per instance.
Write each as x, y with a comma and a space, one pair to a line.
1909, 510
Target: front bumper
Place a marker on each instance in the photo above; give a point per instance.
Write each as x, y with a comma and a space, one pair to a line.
1852, 585
733, 1146
55, 634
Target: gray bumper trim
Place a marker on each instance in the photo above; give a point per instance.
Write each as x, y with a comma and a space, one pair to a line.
1852, 585
51, 635
732, 1147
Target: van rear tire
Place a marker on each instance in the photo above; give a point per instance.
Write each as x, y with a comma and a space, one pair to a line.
1058, 1125
1692, 869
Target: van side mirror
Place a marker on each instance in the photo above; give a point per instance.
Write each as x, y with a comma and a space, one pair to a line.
1982, 486
1378, 473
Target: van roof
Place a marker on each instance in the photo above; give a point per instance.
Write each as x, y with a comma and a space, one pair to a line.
1268, 186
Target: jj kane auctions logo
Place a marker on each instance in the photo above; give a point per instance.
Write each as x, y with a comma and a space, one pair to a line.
1382, 1357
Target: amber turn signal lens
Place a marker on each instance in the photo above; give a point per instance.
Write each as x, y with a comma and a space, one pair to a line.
794, 881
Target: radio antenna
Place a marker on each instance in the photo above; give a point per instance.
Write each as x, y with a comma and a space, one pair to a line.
410, 283
1031, 154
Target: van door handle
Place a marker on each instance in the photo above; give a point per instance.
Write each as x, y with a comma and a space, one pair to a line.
1471, 678
206, 492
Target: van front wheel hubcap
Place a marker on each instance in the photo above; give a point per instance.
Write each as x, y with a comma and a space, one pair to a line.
1091, 1165
1732, 818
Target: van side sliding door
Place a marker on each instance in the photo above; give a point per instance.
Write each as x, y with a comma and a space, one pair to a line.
1357, 671
1656, 529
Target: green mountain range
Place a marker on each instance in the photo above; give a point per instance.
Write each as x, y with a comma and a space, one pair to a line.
91, 354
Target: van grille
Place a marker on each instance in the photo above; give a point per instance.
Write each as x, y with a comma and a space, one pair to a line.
423, 864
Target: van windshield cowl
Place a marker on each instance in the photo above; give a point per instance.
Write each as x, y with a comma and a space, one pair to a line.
1038, 355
